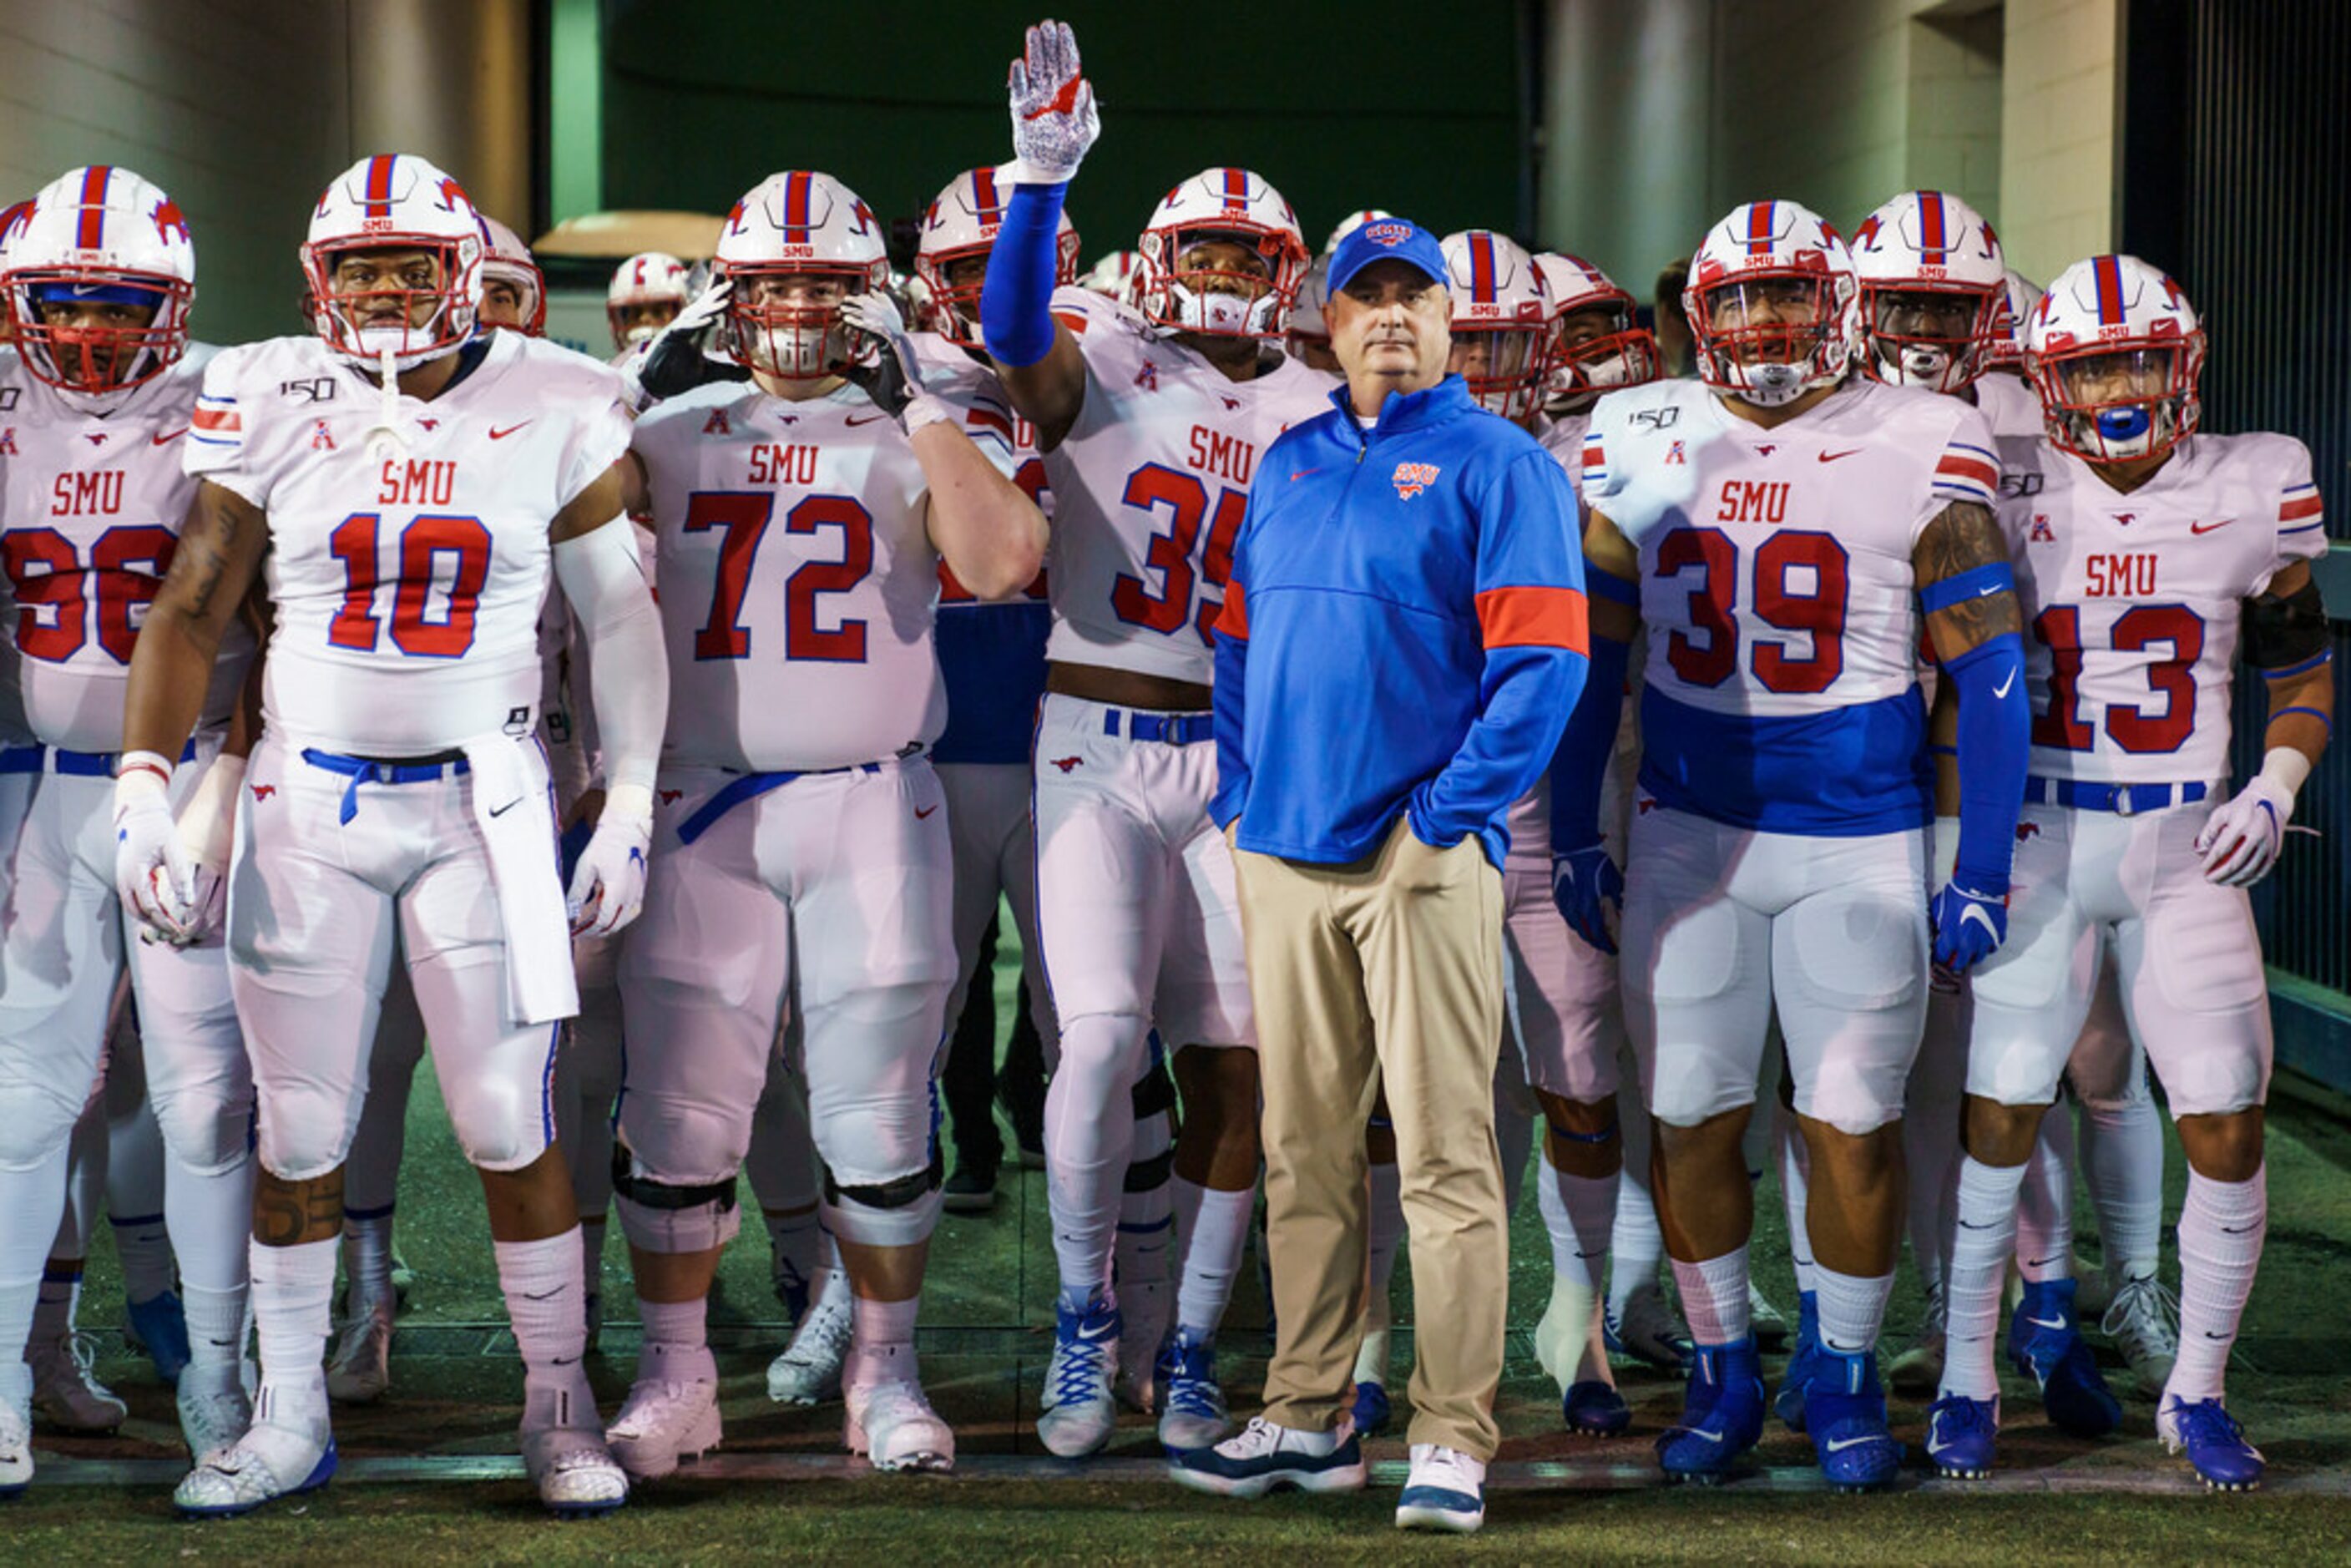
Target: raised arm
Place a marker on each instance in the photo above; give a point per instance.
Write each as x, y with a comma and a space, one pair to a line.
2285, 638
1053, 123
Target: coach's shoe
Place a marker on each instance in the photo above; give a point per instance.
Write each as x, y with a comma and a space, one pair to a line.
2044, 1342
1262, 1456
1765, 1321
360, 1369
893, 1426
809, 1371
16, 1429
1722, 1413
66, 1391
1594, 1409
2143, 1322
1372, 1410
1079, 1412
1194, 1415
971, 1189
1649, 1330
215, 1409
1789, 1402
1918, 1372
1962, 1434
278, 1457
159, 1325
2216, 1445
661, 1423
1844, 1410
1445, 1490
565, 1455
1024, 1109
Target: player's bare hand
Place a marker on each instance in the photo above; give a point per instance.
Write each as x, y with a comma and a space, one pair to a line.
1054, 117
2242, 838
608, 888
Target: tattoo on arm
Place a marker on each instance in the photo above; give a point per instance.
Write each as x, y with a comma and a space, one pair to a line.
1960, 540
219, 551
289, 1212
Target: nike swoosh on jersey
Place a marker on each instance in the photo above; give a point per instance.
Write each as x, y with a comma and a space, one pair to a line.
502, 811
2207, 527
853, 420
1833, 456
923, 811
498, 434
169, 436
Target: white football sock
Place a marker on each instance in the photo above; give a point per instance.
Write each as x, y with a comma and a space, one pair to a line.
1852, 1308
1212, 1243
1714, 1297
676, 1342
1089, 1137
1981, 1244
2122, 1160
545, 1303
2221, 1227
1578, 1212
1636, 1245
293, 1306
30, 1202
216, 1323
2044, 1209
1795, 1188
211, 1217
1150, 1230
882, 1348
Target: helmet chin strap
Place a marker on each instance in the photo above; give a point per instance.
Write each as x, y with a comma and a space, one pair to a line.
385, 438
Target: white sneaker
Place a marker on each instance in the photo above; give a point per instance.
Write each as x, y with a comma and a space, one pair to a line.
893, 1426
662, 1423
1918, 1371
1763, 1319
215, 1409
66, 1392
2143, 1321
1446, 1491
16, 1429
360, 1371
271, 1460
565, 1456
809, 1371
1078, 1413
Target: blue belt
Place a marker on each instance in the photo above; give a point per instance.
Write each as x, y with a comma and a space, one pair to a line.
750, 787
1175, 728
374, 770
2122, 800
72, 764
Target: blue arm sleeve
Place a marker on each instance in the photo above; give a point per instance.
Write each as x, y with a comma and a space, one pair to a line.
1016, 317
1995, 743
1580, 764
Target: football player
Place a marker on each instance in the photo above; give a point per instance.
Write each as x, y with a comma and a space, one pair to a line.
514, 289
2150, 557
801, 520
99, 276
411, 483
1780, 531
1150, 423
646, 294
1115, 276
1307, 339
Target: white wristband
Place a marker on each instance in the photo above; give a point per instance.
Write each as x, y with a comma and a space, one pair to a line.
627, 802
2287, 768
926, 410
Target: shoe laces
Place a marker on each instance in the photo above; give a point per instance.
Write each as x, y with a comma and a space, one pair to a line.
825, 1332
1434, 1464
1080, 1367
2146, 1311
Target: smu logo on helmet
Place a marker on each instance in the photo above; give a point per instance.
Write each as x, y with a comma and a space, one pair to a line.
1412, 478
1387, 234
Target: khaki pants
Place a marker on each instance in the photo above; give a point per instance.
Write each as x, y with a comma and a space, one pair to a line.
1387, 969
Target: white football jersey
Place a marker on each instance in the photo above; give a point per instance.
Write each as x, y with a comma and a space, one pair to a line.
407, 579
1563, 439
91, 512
2134, 602
1149, 487
798, 583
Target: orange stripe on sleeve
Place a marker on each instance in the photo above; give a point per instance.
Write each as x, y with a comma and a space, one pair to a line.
216, 419
1534, 618
1234, 620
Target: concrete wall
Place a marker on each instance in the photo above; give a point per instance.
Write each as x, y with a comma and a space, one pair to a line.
2058, 143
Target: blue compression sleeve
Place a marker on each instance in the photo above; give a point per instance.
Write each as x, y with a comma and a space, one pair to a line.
1016, 317
1581, 763
1995, 743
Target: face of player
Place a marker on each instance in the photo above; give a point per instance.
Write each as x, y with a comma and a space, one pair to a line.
642, 320
1756, 307
1391, 329
964, 276
390, 288
1932, 313
94, 342
2133, 375
503, 304
789, 329
1580, 327
1492, 356
1208, 266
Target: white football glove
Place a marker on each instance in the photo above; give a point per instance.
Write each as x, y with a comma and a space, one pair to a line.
207, 833
2242, 838
153, 874
1054, 117
608, 886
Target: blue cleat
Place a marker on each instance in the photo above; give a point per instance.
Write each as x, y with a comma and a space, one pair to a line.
1722, 1413
2215, 1443
1962, 1434
1845, 1409
2044, 1342
1372, 1410
1595, 1408
159, 1325
1789, 1403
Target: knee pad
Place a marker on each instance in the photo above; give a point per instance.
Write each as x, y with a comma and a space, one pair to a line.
502, 1125
896, 1213
659, 1218
204, 1135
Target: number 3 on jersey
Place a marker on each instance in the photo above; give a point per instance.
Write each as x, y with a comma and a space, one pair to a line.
743, 516
1797, 583
1186, 496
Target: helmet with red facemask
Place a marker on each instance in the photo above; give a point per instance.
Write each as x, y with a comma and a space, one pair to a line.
98, 237
1771, 299
2114, 351
1251, 299
2007, 353
793, 248
1598, 343
1118, 276
1934, 291
410, 313
649, 277
509, 261
1501, 321
959, 228
1307, 329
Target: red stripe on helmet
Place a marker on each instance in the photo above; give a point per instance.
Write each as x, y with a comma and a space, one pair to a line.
796, 209
984, 197
2107, 274
1481, 268
1759, 227
1931, 235
1236, 190
90, 230
378, 185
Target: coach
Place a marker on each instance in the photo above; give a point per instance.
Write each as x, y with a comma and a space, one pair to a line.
1401, 637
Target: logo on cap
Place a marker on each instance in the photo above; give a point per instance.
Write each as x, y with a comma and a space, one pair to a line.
1390, 235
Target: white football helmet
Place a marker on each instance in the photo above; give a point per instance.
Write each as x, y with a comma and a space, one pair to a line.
1350, 223
98, 235
1501, 321
1771, 301
2114, 350
1224, 204
509, 261
1597, 340
2023, 297
395, 201
793, 247
649, 277
1115, 276
1307, 327
1933, 288
960, 227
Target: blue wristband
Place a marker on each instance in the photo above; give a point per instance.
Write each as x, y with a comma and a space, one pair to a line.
1609, 586
1977, 582
1016, 314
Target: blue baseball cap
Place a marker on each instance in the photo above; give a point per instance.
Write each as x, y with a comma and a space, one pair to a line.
1385, 238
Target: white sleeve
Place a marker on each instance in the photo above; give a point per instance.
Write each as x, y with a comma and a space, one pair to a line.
603, 578
216, 448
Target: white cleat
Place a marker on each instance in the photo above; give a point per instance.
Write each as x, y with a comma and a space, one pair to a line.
16, 1429
809, 1371
2143, 1321
893, 1426
215, 1409
360, 1369
565, 1456
662, 1423
1079, 1414
269, 1461
66, 1392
